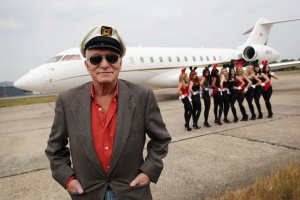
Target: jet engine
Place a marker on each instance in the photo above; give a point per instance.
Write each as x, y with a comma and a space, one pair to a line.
259, 52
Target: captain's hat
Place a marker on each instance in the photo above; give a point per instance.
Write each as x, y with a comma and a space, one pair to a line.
103, 37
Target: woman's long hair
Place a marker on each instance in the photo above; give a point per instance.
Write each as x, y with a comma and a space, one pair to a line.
206, 70
264, 69
191, 77
259, 70
247, 70
182, 78
229, 74
242, 71
222, 72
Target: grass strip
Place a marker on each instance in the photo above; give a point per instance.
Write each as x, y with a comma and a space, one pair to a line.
26, 101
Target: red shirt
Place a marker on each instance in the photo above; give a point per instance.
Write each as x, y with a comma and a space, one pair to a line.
104, 128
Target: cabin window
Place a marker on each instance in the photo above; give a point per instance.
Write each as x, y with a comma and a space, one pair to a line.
220, 58
201, 58
142, 59
54, 59
185, 59
170, 59
214, 58
194, 58
207, 58
151, 59
178, 59
160, 59
131, 60
71, 57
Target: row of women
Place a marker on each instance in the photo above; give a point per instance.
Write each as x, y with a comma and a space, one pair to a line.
229, 86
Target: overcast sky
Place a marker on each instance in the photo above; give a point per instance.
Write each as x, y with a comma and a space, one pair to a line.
33, 31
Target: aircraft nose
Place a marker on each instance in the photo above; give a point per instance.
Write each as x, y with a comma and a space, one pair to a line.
23, 83
29, 81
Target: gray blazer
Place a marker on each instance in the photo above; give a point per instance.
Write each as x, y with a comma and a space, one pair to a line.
138, 113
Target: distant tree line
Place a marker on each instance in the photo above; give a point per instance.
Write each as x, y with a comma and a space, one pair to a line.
288, 60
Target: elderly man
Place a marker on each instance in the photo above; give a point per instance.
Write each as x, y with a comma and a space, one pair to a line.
104, 122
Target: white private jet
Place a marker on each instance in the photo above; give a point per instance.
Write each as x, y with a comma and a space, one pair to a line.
157, 67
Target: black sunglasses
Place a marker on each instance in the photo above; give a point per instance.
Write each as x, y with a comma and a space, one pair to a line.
97, 59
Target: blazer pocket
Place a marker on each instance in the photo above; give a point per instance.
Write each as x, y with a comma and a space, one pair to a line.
138, 192
90, 192
139, 186
76, 196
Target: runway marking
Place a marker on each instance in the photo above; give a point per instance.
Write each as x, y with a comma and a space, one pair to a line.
53, 107
264, 142
26, 172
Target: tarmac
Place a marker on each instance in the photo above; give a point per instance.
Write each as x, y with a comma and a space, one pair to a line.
201, 163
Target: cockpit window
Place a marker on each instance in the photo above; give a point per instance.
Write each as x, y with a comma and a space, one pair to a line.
71, 57
54, 59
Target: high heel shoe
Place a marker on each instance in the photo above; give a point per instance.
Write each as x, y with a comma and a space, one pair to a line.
196, 126
206, 124
253, 117
187, 127
226, 121
245, 118
235, 120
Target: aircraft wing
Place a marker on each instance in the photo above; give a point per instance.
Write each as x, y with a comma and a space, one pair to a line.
284, 65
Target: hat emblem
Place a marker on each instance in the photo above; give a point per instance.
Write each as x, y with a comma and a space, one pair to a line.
106, 31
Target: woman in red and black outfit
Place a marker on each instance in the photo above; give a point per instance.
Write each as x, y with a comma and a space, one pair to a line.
242, 86
259, 88
225, 91
183, 92
250, 93
205, 83
195, 91
234, 92
217, 94
267, 89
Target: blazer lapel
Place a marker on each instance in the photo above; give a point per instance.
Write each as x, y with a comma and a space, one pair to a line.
82, 115
125, 110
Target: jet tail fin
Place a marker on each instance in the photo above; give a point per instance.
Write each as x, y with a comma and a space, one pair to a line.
259, 34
